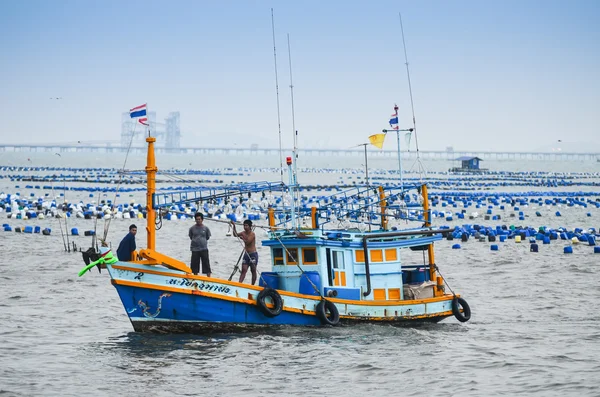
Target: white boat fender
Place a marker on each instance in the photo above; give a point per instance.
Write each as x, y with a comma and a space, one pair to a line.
275, 298
323, 308
457, 303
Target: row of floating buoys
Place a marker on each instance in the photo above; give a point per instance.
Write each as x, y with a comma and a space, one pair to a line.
75, 232
575, 236
445, 184
27, 229
502, 178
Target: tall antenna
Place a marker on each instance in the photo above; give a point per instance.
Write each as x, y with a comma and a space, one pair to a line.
295, 151
277, 92
292, 93
412, 104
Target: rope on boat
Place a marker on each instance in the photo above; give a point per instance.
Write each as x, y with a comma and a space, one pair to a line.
437, 269
107, 222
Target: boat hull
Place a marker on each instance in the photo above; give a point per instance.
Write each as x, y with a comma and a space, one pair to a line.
163, 300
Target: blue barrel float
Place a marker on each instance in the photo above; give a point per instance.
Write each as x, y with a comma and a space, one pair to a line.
269, 279
419, 275
306, 287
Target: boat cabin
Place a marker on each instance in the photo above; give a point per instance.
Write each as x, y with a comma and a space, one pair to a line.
350, 265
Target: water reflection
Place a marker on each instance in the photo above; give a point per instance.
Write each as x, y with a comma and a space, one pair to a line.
159, 345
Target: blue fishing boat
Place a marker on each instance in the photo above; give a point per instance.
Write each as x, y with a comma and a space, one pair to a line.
341, 267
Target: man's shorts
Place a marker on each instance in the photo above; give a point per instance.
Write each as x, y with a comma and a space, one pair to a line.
250, 259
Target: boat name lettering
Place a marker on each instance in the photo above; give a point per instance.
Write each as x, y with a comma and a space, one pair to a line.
202, 286
215, 288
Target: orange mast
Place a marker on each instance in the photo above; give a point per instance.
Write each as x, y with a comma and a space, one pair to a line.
151, 188
153, 257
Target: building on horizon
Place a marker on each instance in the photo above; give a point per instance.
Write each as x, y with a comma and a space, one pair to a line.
169, 132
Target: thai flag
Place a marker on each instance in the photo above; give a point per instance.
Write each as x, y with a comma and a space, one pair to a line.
394, 118
138, 111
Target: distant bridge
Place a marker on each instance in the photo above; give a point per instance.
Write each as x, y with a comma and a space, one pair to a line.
424, 154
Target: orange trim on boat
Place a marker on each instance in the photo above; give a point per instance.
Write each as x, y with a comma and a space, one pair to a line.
281, 292
188, 276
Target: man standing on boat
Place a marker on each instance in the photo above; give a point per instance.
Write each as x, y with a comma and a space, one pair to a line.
250, 254
127, 245
199, 236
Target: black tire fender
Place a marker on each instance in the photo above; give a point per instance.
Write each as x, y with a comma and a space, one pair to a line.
262, 304
326, 306
457, 303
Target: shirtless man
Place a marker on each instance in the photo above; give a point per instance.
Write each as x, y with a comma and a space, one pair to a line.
250, 256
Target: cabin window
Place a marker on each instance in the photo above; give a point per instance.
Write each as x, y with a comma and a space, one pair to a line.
338, 260
359, 256
292, 256
278, 256
391, 254
376, 256
309, 256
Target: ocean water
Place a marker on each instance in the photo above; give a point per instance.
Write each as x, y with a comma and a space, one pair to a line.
534, 328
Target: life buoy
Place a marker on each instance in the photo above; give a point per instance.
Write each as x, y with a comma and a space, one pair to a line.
457, 303
322, 310
275, 298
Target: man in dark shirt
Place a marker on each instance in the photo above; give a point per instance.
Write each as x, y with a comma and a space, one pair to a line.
199, 236
127, 245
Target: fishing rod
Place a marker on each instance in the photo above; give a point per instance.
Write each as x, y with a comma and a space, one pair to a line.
294, 169
237, 265
66, 216
59, 221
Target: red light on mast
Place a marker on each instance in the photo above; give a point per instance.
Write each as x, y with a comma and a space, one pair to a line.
288, 160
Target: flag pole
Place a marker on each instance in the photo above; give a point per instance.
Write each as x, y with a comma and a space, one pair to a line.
366, 164
399, 155
399, 159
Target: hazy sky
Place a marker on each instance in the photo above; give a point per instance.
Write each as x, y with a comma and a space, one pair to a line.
486, 75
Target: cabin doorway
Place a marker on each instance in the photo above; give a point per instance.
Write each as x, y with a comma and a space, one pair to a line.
336, 267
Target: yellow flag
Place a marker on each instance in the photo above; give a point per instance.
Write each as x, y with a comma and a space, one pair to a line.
377, 140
